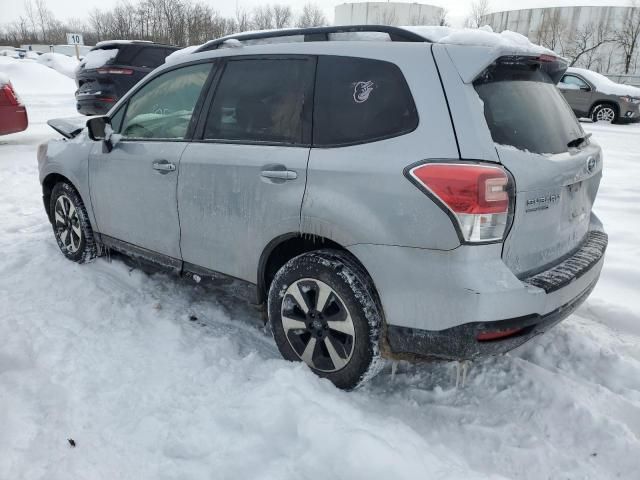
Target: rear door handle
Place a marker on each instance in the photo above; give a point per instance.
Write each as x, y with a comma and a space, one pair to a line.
279, 174
164, 166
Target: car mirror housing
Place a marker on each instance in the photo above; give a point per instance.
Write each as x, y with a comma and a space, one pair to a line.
97, 128
585, 88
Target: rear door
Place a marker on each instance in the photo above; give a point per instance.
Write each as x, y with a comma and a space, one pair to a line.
242, 182
556, 175
133, 187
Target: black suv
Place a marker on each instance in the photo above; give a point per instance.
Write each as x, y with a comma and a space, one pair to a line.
111, 68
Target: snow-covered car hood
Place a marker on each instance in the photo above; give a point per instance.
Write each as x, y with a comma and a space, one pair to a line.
605, 85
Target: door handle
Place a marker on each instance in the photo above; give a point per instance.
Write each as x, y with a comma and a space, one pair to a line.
279, 174
164, 166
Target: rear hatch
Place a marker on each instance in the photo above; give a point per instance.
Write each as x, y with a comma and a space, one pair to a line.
556, 168
93, 76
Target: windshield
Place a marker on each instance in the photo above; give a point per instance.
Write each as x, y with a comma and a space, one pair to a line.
524, 109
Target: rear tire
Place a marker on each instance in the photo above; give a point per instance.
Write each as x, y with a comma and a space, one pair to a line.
604, 112
71, 225
323, 310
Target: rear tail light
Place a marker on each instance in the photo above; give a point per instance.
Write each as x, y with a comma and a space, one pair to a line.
490, 335
8, 96
477, 196
116, 71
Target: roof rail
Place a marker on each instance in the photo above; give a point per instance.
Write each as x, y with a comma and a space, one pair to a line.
318, 34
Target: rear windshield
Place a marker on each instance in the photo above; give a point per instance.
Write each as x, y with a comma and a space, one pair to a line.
524, 109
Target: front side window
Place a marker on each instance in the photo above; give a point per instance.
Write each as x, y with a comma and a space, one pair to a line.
360, 100
261, 100
571, 82
162, 109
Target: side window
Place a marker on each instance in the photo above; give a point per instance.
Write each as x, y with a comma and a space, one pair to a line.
360, 100
150, 57
162, 108
573, 83
261, 100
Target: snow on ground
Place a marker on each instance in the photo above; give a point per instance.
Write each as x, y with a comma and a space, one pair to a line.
155, 378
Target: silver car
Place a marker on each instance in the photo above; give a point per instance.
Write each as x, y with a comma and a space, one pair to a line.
397, 199
594, 96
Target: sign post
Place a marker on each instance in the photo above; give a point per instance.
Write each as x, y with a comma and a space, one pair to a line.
75, 39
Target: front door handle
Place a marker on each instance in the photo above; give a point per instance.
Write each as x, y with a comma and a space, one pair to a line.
279, 174
163, 166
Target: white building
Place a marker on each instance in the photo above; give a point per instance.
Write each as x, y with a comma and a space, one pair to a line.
387, 13
569, 30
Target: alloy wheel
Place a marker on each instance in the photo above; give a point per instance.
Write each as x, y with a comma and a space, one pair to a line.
605, 114
67, 224
318, 325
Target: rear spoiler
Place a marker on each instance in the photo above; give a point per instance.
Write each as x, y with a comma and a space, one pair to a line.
471, 60
68, 127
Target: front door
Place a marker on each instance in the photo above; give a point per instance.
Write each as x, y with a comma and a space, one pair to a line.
133, 187
241, 183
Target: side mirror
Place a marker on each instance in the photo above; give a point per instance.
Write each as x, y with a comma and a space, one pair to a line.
585, 88
97, 128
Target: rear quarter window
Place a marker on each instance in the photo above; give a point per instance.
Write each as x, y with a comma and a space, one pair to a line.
360, 100
149, 57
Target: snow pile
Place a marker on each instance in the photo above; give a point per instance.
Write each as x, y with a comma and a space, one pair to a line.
484, 36
31, 55
98, 58
62, 63
9, 53
29, 77
605, 85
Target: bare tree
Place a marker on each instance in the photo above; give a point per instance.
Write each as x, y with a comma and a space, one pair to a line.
628, 37
311, 16
282, 16
243, 20
553, 31
263, 17
479, 9
583, 44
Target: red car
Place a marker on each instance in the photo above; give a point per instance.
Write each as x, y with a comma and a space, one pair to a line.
13, 114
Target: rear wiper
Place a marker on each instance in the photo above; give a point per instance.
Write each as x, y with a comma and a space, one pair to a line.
576, 142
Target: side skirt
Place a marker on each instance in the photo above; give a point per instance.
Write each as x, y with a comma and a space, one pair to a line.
149, 260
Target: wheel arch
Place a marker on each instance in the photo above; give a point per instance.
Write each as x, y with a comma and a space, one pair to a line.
285, 247
47, 187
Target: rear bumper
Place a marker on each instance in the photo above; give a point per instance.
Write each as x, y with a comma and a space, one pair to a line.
94, 105
461, 343
436, 302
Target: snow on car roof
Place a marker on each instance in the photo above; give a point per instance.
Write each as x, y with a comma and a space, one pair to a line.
484, 37
4, 79
120, 42
98, 58
604, 84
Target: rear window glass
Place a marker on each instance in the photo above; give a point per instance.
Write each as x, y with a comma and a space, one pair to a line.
150, 57
524, 109
360, 100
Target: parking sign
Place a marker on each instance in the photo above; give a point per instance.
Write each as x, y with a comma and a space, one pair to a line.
74, 39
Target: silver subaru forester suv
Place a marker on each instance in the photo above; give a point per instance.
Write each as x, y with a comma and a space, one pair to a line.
390, 197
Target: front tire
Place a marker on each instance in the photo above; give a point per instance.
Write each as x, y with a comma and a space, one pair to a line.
71, 225
604, 112
323, 310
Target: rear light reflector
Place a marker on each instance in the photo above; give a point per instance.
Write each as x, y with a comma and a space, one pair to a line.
115, 71
497, 334
107, 99
547, 58
8, 96
476, 195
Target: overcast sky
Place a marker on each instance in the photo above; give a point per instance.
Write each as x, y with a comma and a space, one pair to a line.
11, 9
